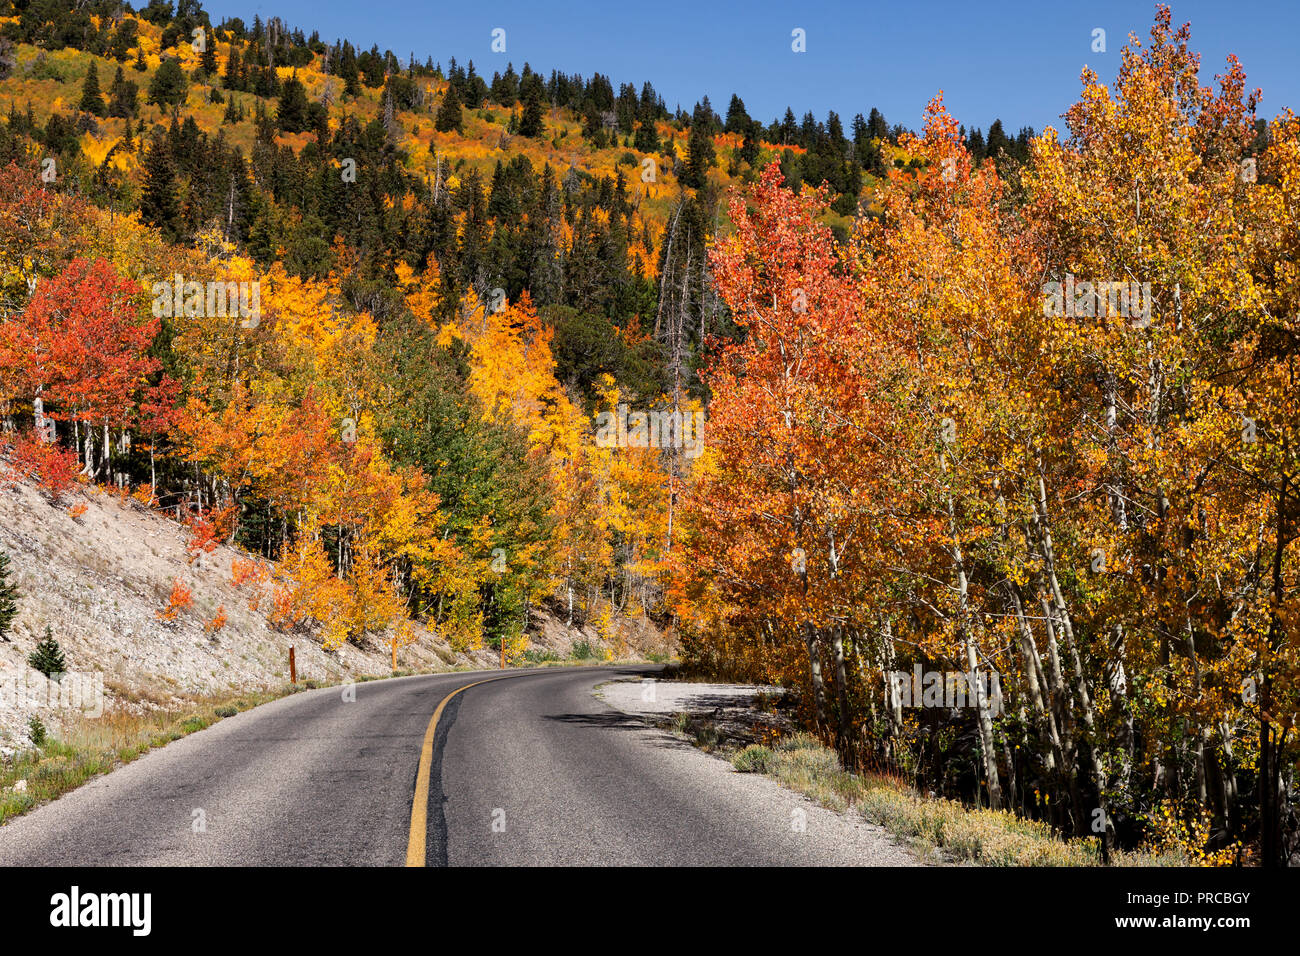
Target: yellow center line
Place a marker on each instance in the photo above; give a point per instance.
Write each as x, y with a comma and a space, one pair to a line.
418, 839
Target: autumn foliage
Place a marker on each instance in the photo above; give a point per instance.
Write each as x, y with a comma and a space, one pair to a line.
1052, 441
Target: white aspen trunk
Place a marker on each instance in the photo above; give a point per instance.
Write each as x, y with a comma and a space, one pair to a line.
987, 746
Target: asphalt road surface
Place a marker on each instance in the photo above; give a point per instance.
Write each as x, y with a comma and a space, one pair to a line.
526, 769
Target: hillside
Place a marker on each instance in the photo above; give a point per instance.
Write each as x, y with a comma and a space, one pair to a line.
100, 579
443, 356
400, 425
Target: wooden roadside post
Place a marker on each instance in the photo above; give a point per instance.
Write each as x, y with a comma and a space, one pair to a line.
293, 668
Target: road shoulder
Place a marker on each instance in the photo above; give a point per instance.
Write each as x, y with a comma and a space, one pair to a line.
718, 719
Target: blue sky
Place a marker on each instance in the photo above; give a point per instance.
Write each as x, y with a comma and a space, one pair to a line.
1016, 59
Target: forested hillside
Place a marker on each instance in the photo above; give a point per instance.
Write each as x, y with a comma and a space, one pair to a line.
883, 416
408, 236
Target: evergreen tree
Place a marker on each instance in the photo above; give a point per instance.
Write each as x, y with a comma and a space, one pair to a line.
737, 118
158, 203
859, 135
835, 130
124, 37
230, 78
531, 123
169, 86
8, 597
877, 128
749, 147
448, 117
789, 129
92, 100
997, 140
292, 111
699, 149
48, 657
123, 96
647, 136
208, 58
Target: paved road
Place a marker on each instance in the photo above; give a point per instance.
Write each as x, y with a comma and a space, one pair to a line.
527, 770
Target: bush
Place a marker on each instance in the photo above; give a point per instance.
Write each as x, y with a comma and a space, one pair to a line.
753, 759
584, 651
51, 466
8, 596
227, 711
43, 69
707, 735
48, 656
36, 731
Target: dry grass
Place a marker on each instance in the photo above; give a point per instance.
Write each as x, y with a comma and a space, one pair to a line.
964, 835
91, 746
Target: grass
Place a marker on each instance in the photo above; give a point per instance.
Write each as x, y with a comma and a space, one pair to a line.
963, 834
91, 746
753, 759
536, 657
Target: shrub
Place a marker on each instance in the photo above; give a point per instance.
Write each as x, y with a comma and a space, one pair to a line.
753, 759
707, 736
48, 656
36, 731
8, 596
179, 599
218, 622
53, 467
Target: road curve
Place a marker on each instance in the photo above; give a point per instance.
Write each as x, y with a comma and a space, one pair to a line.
532, 769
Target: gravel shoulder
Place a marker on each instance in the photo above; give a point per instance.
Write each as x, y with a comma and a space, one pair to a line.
845, 838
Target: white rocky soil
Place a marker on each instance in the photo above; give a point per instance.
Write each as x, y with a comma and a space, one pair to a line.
98, 581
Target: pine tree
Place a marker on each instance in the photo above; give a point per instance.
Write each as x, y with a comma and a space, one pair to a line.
789, 129
647, 136
158, 204
699, 149
230, 79
997, 140
8, 597
737, 118
749, 146
531, 123
92, 100
208, 58
123, 96
169, 86
448, 117
291, 114
48, 656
